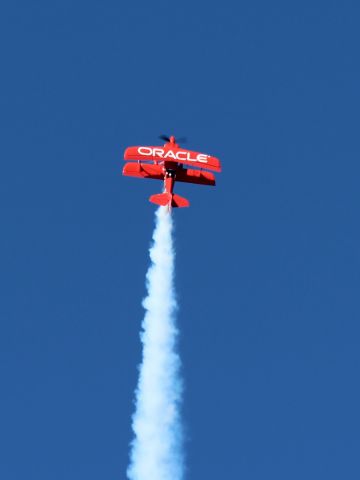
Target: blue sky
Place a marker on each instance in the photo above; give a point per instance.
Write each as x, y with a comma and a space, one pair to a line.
267, 262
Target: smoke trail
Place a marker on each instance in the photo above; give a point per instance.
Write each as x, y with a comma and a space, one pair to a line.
156, 452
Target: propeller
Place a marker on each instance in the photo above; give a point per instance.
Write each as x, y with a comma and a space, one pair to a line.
164, 137
178, 140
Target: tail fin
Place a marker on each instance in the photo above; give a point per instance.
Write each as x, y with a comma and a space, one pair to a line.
168, 199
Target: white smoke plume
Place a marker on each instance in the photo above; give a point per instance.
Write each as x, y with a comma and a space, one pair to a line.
156, 452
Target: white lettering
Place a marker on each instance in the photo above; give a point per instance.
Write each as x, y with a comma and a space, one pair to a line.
181, 155
158, 152
145, 151
171, 154
202, 158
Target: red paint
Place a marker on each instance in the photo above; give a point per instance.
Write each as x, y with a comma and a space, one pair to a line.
167, 163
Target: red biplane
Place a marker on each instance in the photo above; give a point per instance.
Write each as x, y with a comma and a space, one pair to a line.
168, 163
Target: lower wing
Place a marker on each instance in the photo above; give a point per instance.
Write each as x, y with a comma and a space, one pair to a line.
143, 170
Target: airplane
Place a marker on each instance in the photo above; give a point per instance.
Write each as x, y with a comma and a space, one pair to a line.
168, 163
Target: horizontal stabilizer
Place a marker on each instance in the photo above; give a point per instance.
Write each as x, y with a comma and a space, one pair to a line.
178, 201
174, 200
161, 199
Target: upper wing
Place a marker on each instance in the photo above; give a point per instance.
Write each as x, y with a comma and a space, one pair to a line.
171, 154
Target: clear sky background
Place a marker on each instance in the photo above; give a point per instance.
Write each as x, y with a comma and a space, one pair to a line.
268, 262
